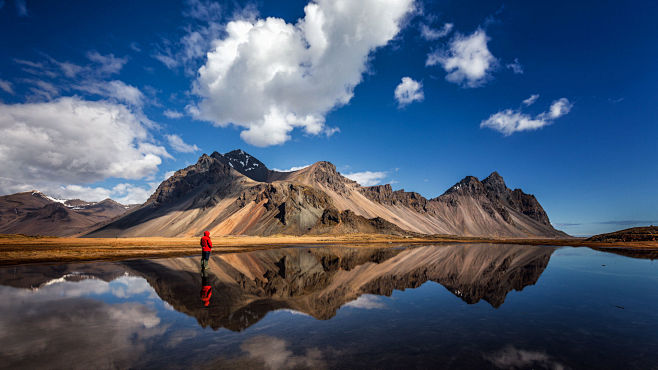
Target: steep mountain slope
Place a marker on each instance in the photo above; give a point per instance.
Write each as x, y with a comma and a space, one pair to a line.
34, 213
235, 193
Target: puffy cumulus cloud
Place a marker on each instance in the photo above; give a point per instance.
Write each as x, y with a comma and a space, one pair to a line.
367, 178
177, 143
169, 113
408, 91
531, 100
429, 33
73, 141
271, 77
467, 60
510, 121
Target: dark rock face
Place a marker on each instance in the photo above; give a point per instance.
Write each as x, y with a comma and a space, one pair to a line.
496, 197
209, 170
325, 173
247, 165
384, 194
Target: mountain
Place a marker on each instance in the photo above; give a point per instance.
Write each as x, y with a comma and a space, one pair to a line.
34, 213
235, 193
314, 281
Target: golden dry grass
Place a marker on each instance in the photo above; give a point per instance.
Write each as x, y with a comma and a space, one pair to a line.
19, 249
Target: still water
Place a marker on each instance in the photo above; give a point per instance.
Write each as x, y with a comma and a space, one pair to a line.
456, 306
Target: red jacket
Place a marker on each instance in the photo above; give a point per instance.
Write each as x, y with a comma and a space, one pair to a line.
206, 244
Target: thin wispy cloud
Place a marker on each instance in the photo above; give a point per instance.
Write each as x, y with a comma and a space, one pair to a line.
531, 100
7, 87
431, 34
515, 66
177, 143
172, 114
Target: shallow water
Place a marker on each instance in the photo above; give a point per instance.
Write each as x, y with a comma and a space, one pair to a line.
459, 306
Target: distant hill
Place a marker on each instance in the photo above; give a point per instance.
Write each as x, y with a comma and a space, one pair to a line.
235, 193
635, 234
34, 213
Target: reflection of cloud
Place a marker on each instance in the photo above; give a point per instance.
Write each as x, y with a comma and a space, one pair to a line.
294, 312
74, 333
367, 302
274, 353
129, 286
513, 358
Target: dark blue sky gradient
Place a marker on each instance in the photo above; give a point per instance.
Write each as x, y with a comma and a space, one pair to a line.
596, 164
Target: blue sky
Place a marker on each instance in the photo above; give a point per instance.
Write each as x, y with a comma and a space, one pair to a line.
106, 98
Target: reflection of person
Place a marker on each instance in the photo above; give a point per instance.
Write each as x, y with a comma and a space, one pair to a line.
206, 247
206, 289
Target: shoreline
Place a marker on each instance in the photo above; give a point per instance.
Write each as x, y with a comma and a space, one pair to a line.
20, 249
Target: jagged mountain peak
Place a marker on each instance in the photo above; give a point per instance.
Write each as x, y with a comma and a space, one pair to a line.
247, 165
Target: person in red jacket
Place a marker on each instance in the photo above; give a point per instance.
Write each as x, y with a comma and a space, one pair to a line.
206, 247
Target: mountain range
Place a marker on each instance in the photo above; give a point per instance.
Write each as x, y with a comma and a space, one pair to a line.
235, 193
34, 213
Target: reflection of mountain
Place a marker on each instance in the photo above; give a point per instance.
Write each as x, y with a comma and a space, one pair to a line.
317, 281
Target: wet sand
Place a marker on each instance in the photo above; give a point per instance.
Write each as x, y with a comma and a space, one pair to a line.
19, 249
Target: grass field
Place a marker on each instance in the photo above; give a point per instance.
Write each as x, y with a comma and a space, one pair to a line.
20, 249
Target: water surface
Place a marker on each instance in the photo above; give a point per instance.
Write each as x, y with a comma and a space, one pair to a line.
456, 306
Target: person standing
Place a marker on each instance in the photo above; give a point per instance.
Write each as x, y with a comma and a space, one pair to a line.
206, 247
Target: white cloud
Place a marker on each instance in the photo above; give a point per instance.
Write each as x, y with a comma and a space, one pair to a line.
367, 178
510, 121
467, 61
291, 169
107, 64
531, 100
177, 143
408, 91
516, 67
116, 89
168, 174
172, 114
6, 86
124, 193
70, 140
430, 34
270, 77
559, 108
